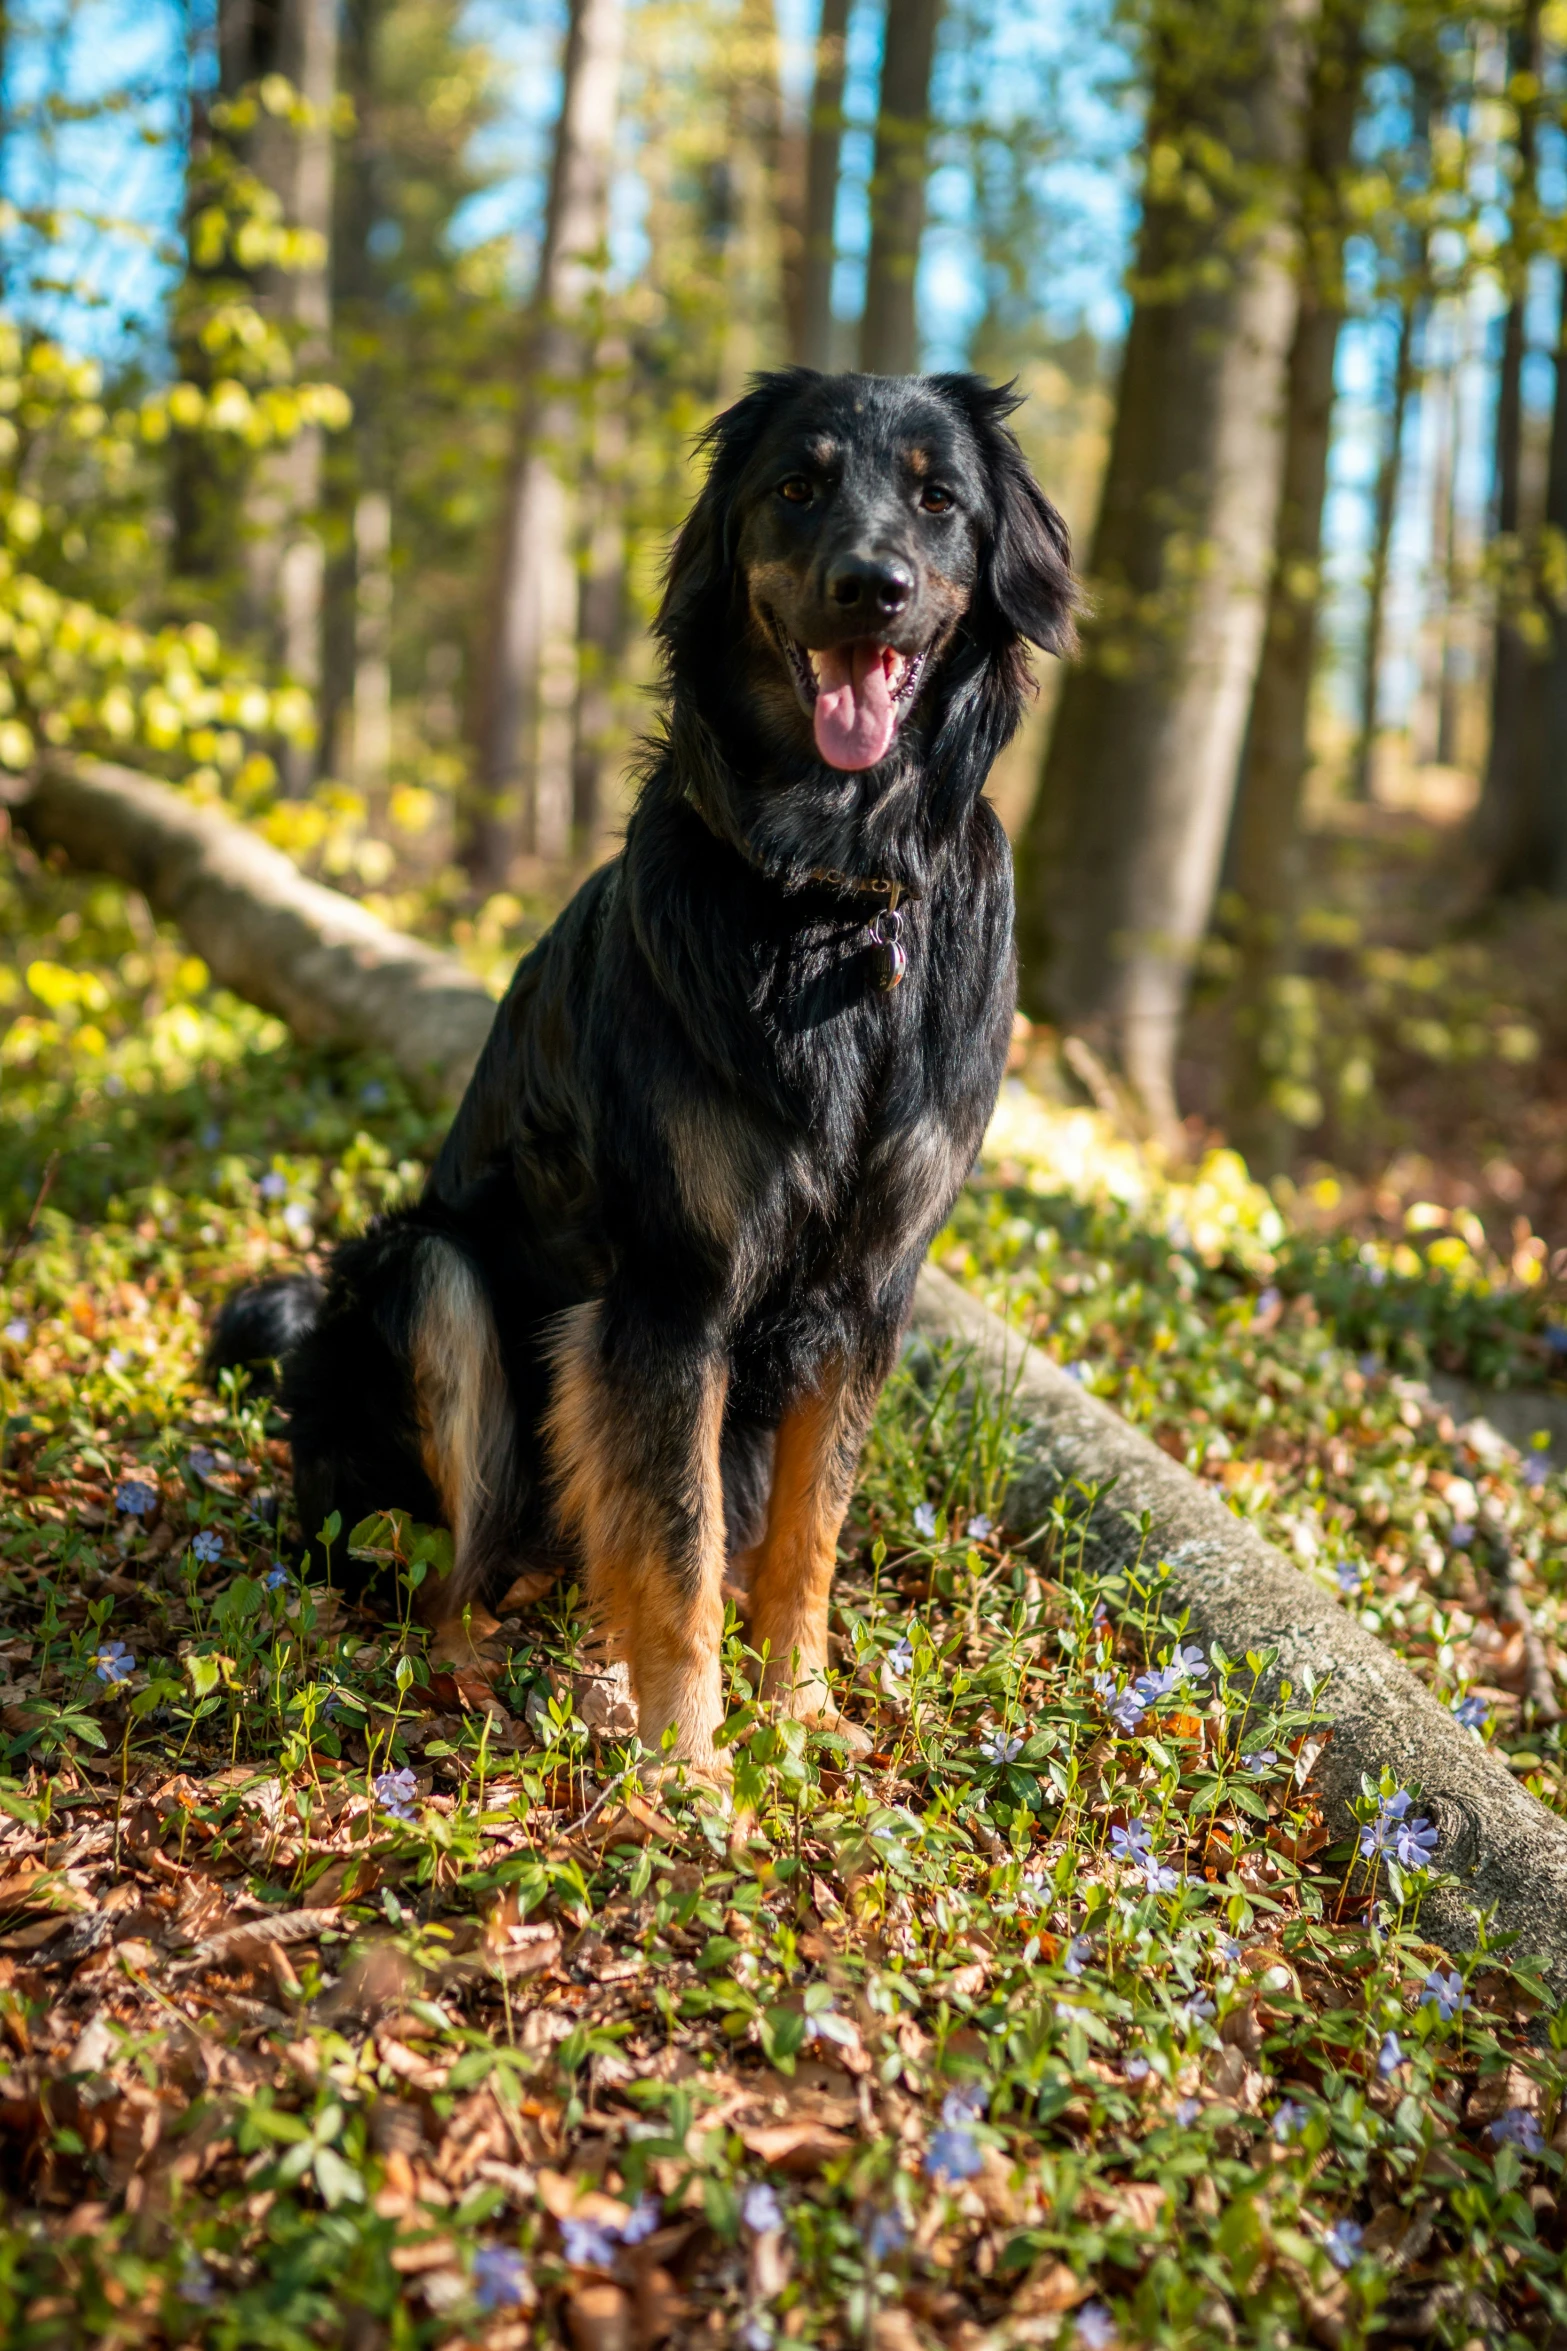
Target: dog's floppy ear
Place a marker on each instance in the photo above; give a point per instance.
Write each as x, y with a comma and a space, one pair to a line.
700, 560
1027, 563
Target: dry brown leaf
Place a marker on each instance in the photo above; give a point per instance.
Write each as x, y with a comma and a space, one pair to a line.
601, 2318
1049, 2288
660, 2307
795, 2147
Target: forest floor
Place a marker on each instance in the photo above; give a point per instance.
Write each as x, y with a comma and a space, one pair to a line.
347, 1998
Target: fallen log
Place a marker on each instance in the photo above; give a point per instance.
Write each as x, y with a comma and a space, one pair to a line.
1508, 1853
323, 963
336, 973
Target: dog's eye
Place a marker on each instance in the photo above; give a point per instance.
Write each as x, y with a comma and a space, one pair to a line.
797, 490
934, 499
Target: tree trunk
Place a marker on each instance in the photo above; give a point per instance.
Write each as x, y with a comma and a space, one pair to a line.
1384, 514
284, 560
536, 522
889, 341
1552, 769
602, 607
1124, 842
372, 759
814, 347
1506, 821
1264, 1089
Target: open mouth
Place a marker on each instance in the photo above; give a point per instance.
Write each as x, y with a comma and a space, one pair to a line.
856, 694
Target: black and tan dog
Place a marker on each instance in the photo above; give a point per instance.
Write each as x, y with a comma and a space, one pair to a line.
639, 1319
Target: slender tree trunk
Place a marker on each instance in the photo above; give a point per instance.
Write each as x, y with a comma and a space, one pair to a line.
1264, 1086
536, 522
814, 345
372, 642
284, 559
602, 606
1505, 822
889, 341
1384, 515
1553, 726
1124, 843
355, 463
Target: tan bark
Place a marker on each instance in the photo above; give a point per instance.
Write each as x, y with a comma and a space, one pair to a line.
1265, 846
1122, 851
284, 563
536, 520
814, 346
889, 342
320, 961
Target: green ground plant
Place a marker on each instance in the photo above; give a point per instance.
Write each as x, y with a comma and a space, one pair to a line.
351, 1995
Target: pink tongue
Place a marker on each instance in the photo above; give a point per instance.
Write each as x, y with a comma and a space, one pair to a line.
854, 718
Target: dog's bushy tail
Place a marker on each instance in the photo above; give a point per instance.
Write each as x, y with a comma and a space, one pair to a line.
257, 1327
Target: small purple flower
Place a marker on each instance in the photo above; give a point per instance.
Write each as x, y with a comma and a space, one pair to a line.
18, 1330
395, 1792
979, 1528
1189, 1662
588, 2244
760, 2209
1390, 2056
296, 1219
925, 1520
1368, 1365
1158, 1878
1260, 1760
196, 2282
116, 1359
276, 1576
1536, 1469
1555, 1336
1378, 1833
1157, 1683
500, 2278
1077, 1955
136, 1499
1137, 2069
1131, 1843
373, 1094
641, 2221
1269, 1300
1415, 1844
1445, 1993
1289, 2120
208, 1547
272, 1185
885, 2236
1460, 1534
114, 1663
202, 1460
900, 1656
1352, 1576
1200, 2009
1343, 2243
1077, 1371
1518, 2128
1187, 2111
965, 2103
953, 2155
1127, 1711
1001, 1747
1472, 1712
1094, 2327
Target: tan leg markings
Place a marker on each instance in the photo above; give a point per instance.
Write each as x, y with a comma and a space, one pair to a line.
663, 1614
464, 1413
792, 1566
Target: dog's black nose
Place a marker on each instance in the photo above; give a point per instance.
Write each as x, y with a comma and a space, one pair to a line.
869, 584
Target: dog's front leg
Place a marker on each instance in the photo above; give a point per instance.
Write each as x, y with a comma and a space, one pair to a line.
635, 1420
816, 1455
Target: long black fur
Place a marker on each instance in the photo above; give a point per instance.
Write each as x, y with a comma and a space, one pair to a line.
703, 982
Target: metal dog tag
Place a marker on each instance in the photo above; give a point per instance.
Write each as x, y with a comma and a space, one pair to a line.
891, 961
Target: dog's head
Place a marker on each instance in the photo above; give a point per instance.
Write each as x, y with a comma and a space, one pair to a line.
862, 542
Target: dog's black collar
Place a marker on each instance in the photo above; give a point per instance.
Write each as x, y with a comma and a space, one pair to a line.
886, 928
